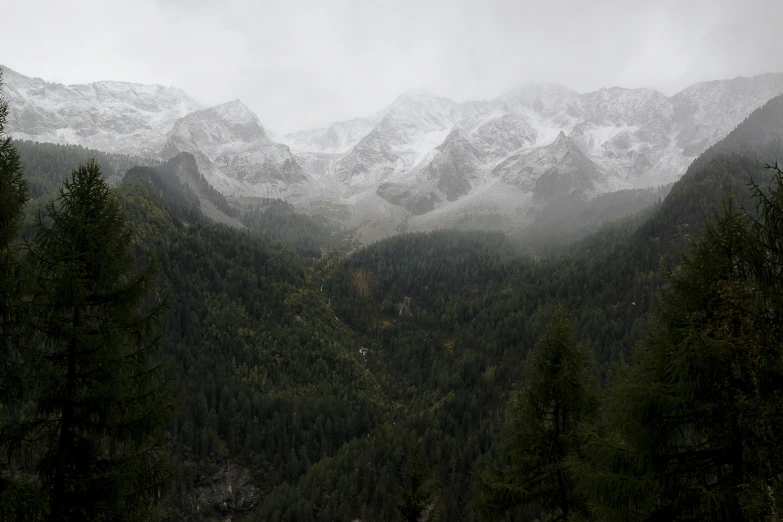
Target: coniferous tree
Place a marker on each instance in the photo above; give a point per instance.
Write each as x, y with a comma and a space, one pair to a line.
767, 229
13, 186
543, 431
19, 498
416, 492
694, 430
13, 196
101, 402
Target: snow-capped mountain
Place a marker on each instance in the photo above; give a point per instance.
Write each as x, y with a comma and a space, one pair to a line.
423, 161
414, 124
706, 112
338, 138
561, 160
538, 134
233, 150
228, 141
111, 116
216, 129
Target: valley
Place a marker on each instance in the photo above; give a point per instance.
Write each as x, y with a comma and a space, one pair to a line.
311, 371
404, 261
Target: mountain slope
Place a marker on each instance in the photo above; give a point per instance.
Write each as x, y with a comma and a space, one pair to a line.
413, 125
110, 116
307, 380
561, 166
338, 138
729, 165
473, 308
228, 141
421, 163
428, 162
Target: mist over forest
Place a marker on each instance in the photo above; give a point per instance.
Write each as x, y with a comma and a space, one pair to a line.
397, 272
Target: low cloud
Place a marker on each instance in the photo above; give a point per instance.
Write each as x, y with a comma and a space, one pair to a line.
305, 64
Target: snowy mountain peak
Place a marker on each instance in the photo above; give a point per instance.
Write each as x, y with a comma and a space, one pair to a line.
212, 130
420, 103
236, 112
562, 144
426, 155
338, 138
110, 88
111, 116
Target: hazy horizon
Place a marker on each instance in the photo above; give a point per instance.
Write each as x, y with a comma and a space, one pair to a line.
306, 66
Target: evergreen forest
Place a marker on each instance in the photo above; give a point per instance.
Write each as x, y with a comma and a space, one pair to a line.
167, 353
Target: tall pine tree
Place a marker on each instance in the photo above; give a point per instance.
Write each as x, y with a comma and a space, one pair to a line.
13, 196
531, 469
694, 430
101, 402
416, 493
19, 497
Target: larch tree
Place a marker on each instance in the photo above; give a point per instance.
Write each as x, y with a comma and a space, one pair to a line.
417, 492
102, 402
694, 429
19, 495
13, 197
531, 466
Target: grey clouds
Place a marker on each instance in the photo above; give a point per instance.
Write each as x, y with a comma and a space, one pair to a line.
306, 64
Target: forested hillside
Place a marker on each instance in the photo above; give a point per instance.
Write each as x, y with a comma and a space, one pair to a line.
268, 379
449, 317
309, 383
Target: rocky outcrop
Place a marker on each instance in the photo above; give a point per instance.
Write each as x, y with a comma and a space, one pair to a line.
421, 153
122, 117
415, 202
226, 494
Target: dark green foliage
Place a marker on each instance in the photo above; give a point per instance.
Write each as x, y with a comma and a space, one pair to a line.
99, 403
19, 498
543, 431
13, 185
184, 167
266, 324
416, 493
13, 196
693, 430
271, 379
46, 165
182, 203
276, 220
767, 229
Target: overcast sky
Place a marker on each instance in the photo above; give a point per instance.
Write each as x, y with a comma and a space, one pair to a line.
307, 63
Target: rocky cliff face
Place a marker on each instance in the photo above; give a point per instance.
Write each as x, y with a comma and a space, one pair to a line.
562, 160
431, 154
423, 156
111, 116
217, 129
228, 141
231, 144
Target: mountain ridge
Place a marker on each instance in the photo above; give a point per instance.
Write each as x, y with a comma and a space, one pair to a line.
459, 158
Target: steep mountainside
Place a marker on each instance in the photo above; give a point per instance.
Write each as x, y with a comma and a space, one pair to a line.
412, 126
307, 378
338, 138
110, 116
229, 143
423, 162
475, 308
440, 163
